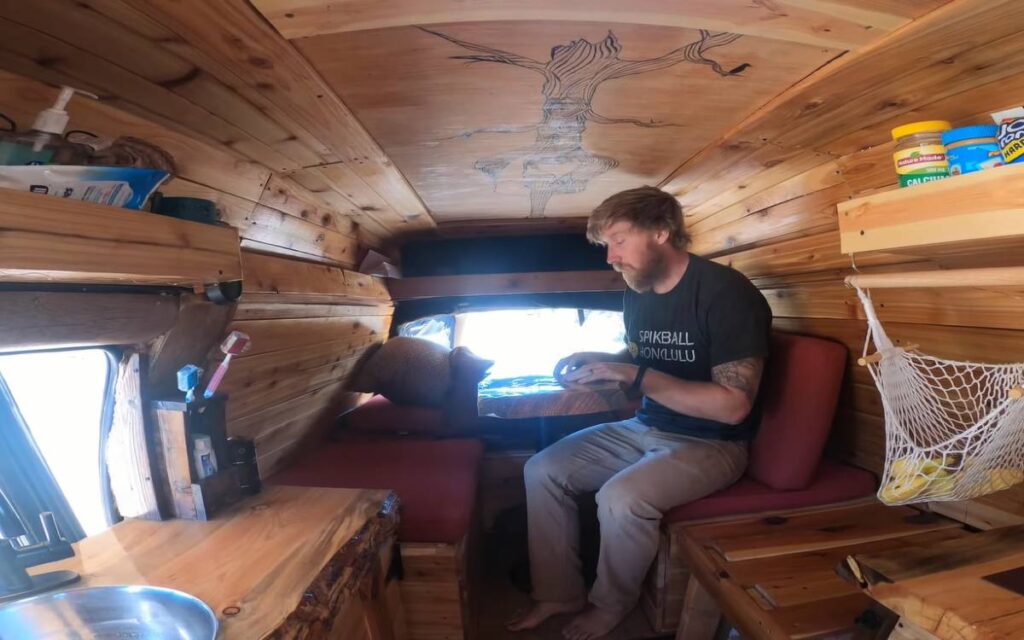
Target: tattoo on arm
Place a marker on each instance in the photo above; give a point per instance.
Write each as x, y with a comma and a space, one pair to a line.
744, 375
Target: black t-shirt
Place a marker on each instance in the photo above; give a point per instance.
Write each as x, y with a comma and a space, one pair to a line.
712, 316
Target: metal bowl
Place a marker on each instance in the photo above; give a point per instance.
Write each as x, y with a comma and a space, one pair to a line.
109, 613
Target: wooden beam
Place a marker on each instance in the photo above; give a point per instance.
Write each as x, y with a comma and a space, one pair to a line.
834, 25
38, 320
952, 278
48, 239
505, 283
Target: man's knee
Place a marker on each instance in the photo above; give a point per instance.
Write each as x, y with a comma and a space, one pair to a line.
544, 467
618, 500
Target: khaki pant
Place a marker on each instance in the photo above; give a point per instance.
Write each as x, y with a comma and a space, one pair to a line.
641, 473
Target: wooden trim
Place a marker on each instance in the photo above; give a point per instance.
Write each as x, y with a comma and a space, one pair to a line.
49, 239
824, 24
985, 205
505, 283
993, 277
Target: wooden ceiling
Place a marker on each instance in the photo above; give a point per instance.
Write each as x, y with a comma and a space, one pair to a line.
405, 114
530, 109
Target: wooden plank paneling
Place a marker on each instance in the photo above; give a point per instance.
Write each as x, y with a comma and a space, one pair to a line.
806, 215
243, 42
282, 280
848, 95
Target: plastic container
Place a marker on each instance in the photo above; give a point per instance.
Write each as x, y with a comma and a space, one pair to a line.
45, 144
971, 149
204, 456
920, 155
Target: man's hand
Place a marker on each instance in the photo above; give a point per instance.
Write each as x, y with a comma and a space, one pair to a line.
575, 361
598, 372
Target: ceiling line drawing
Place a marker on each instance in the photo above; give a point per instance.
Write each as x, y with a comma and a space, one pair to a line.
557, 163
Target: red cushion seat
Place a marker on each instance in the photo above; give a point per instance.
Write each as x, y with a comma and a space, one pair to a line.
802, 380
436, 480
834, 482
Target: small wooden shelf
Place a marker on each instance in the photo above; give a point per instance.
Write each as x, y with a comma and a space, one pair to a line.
962, 213
54, 240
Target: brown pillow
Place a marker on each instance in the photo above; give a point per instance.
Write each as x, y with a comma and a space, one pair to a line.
406, 371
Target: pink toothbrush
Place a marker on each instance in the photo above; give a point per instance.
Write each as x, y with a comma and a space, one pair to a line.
236, 343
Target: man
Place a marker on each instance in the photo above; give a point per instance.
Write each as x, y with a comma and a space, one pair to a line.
698, 335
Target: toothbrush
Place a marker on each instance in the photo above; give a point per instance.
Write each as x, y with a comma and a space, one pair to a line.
236, 343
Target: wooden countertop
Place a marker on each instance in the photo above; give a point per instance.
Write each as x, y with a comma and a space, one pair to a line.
260, 557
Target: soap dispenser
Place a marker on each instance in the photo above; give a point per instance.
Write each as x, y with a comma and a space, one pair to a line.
44, 144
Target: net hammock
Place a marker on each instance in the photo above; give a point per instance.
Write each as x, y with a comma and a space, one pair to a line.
953, 430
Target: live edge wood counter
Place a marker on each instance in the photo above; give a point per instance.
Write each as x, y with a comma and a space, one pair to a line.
291, 562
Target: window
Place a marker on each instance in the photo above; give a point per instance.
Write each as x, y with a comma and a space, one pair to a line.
439, 329
529, 342
62, 397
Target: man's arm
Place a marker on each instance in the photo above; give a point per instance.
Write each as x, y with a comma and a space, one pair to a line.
728, 398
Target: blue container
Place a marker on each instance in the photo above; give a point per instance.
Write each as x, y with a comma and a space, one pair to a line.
971, 149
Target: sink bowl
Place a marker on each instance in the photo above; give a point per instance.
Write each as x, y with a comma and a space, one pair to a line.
108, 613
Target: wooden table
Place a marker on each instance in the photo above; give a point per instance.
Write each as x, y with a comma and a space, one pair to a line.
292, 562
774, 578
941, 589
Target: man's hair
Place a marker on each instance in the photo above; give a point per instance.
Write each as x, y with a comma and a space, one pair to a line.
647, 208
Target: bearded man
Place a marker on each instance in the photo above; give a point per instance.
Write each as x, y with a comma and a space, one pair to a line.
698, 335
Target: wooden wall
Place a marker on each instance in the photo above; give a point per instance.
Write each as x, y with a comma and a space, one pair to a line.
763, 199
310, 318
309, 325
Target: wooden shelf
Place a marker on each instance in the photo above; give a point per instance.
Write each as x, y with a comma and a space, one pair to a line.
963, 213
48, 239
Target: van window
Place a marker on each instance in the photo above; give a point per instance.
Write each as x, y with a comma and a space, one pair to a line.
529, 342
61, 395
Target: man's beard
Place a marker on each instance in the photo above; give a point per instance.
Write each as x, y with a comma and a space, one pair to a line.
642, 278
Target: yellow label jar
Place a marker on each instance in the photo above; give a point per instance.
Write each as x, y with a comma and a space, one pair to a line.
920, 155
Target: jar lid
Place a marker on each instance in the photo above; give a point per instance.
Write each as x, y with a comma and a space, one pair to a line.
928, 126
966, 133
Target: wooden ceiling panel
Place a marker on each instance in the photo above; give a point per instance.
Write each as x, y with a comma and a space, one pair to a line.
509, 120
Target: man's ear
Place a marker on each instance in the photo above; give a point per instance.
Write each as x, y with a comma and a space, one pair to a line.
661, 236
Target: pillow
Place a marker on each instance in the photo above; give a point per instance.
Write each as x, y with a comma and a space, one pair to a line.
460, 405
406, 371
414, 371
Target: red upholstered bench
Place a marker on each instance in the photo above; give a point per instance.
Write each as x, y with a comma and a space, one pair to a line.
802, 381
436, 480
380, 417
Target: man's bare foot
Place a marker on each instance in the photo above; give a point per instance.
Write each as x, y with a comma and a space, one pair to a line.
541, 611
592, 623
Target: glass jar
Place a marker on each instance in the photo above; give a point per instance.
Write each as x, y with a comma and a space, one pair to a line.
920, 155
972, 149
